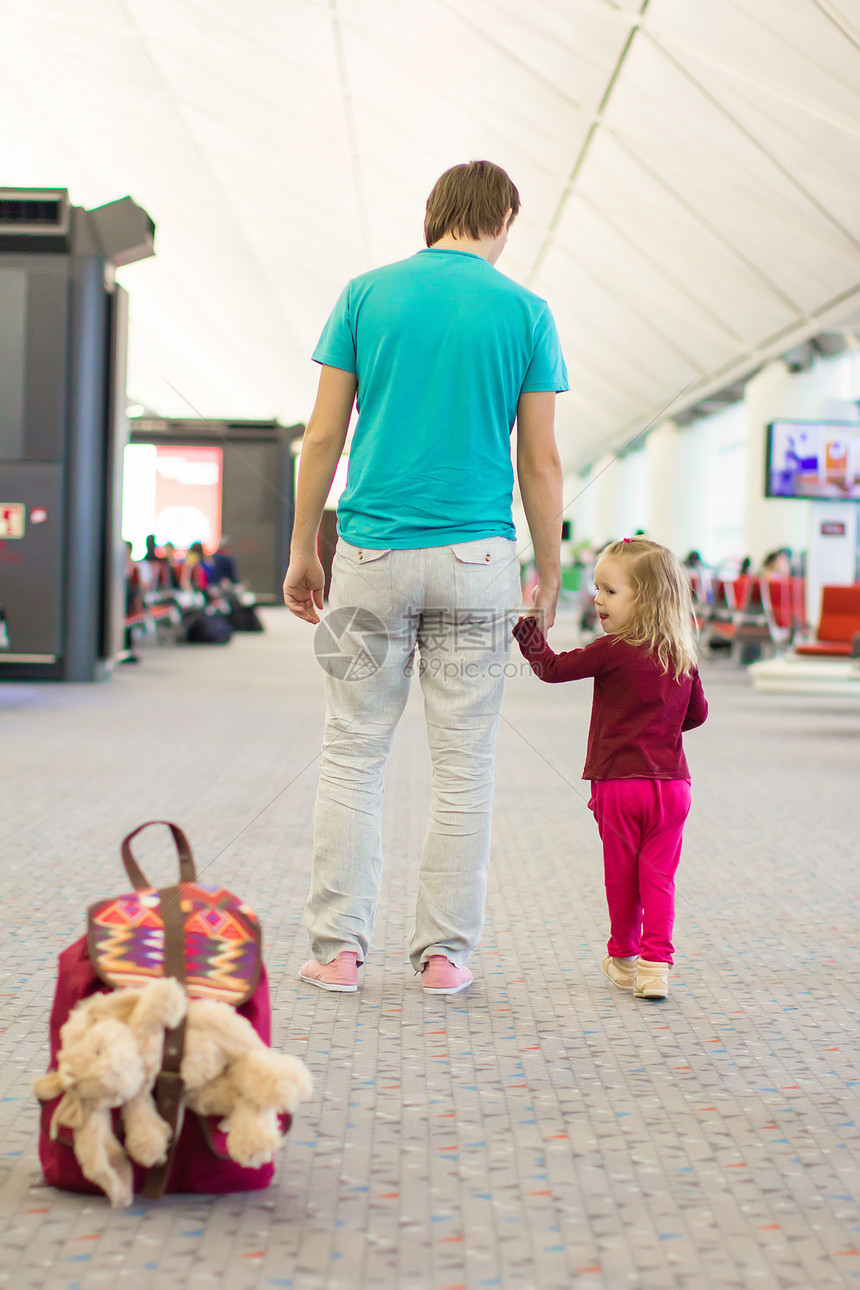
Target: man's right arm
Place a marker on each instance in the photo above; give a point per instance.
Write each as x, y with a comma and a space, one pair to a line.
322, 445
540, 480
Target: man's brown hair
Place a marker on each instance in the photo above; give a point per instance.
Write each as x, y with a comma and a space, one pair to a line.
470, 200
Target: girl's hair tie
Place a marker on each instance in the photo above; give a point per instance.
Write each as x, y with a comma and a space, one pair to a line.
625, 539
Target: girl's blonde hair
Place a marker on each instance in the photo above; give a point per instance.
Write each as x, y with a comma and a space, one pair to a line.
661, 616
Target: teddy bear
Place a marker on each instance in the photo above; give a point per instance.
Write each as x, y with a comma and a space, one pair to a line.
228, 1071
110, 1055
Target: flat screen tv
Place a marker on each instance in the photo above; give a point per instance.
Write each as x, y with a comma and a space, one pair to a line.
815, 460
173, 492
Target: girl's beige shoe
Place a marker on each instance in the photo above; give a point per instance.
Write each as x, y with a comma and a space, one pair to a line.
652, 980
621, 972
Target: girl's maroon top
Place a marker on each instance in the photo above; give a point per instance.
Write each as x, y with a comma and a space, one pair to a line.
638, 712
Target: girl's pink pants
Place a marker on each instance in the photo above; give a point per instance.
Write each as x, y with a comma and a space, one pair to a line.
641, 823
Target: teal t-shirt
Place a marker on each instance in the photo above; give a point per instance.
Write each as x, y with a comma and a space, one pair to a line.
441, 345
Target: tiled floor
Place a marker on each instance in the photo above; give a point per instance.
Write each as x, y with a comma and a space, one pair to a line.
542, 1130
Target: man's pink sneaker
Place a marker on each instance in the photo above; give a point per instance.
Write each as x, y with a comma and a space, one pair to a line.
340, 976
440, 976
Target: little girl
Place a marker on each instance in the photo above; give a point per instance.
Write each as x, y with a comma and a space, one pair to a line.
646, 691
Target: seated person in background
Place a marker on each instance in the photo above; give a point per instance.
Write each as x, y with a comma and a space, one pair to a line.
193, 576
133, 584
221, 565
700, 577
587, 612
149, 567
224, 582
133, 600
158, 572
171, 567
776, 565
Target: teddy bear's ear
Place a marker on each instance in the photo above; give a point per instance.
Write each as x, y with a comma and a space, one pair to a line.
119, 1005
161, 1003
48, 1086
90, 1011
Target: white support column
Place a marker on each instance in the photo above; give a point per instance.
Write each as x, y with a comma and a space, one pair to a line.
771, 395
676, 487
632, 512
577, 506
832, 543
603, 486
832, 552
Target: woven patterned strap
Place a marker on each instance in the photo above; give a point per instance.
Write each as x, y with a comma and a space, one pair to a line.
128, 944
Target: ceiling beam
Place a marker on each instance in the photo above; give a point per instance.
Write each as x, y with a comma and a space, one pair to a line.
351, 132
753, 138
596, 123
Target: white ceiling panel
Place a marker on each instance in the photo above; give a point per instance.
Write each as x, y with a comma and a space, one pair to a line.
613, 257
791, 44
689, 172
660, 216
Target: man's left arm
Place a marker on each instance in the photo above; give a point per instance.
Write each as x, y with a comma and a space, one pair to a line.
322, 445
540, 480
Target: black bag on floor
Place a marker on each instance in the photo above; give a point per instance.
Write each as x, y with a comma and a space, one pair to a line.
242, 611
244, 618
207, 628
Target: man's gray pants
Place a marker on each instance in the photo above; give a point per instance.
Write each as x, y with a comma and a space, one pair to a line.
453, 607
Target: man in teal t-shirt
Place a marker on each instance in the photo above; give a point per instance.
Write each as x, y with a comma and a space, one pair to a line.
442, 347
441, 355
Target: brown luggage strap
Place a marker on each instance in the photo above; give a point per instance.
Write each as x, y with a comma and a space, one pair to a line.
138, 879
168, 1089
168, 1101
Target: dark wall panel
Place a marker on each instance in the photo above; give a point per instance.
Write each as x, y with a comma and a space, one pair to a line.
34, 323
251, 509
30, 589
257, 489
47, 328
13, 362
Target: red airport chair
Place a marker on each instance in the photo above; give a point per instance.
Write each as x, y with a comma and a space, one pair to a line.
838, 632
720, 621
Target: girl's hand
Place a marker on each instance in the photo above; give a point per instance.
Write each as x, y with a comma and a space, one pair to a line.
526, 628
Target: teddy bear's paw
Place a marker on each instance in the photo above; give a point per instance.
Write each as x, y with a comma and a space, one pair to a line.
48, 1086
147, 1135
272, 1080
249, 1159
111, 1172
119, 1194
252, 1140
148, 1146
